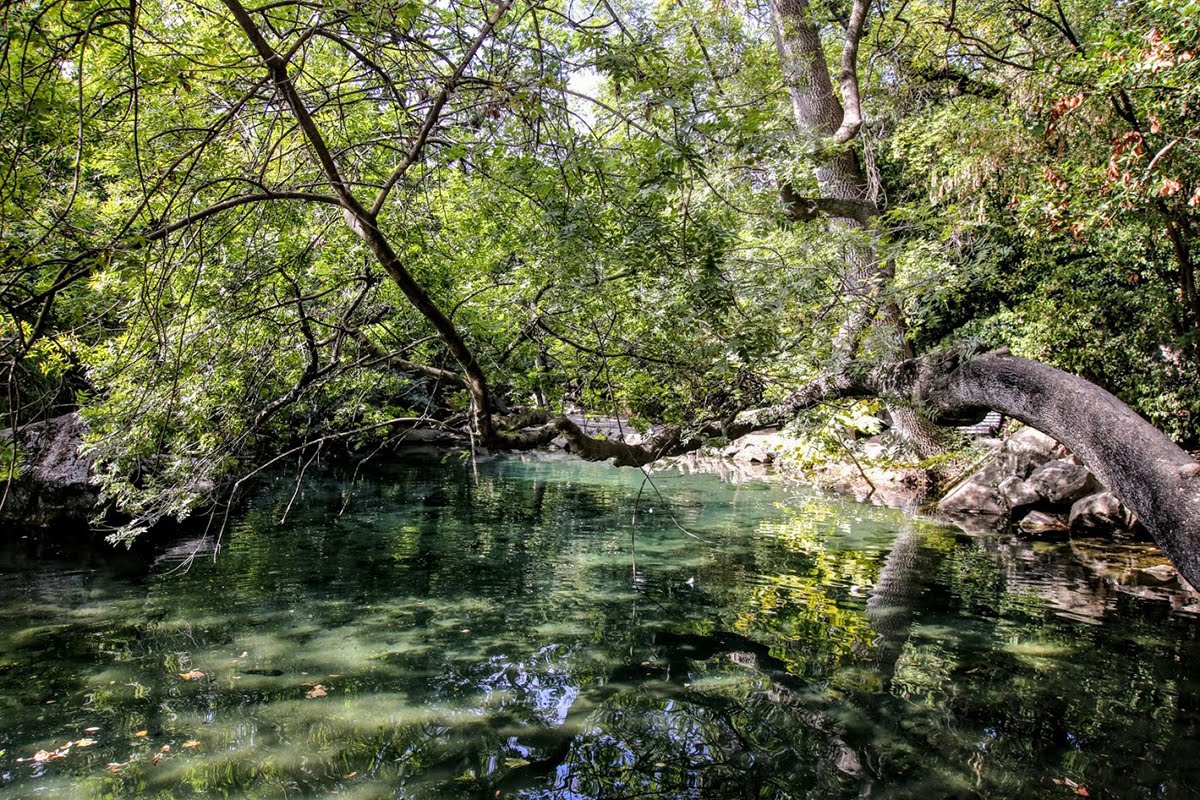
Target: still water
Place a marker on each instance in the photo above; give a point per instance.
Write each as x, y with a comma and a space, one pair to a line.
438, 631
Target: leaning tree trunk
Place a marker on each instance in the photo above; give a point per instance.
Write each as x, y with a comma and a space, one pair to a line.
1148, 472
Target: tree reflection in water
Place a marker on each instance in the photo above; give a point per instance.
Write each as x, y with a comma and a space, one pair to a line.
479, 633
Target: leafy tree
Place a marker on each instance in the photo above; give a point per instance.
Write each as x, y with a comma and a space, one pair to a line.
237, 233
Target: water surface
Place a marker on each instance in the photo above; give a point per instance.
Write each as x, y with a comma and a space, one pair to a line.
437, 630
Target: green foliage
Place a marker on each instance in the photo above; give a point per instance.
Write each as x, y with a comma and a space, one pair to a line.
1048, 202
625, 253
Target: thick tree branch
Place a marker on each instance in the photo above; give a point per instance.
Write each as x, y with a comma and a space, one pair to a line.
1148, 472
277, 66
805, 209
677, 440
364, 224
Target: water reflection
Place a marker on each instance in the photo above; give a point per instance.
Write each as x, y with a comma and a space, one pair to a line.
459, 634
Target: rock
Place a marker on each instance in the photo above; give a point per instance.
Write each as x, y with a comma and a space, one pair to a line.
54, 485
1100, 512
1042, 522
974, 497
1002, 465
1031, 449
1061, 481
1017, 493
1163, 573
978, 523
754, 454
1033, 471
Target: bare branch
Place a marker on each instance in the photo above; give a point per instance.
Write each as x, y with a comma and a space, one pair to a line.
851, 102
403, 364
234, 202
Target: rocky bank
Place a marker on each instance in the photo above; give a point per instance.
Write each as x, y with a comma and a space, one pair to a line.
1034, 482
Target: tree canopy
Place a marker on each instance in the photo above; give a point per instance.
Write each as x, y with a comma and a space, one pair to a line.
237, 230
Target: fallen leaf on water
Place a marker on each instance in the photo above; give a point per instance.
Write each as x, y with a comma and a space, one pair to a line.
115, 767
42, 756
85, 742
189, 744
92, 729
192, 675
353, 774
164, 748
316, 691
141, 734
1082, 791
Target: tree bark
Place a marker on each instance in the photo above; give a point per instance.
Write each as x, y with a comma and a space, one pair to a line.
845, 192
1150, 474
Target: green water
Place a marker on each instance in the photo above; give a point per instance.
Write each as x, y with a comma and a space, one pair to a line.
433, 631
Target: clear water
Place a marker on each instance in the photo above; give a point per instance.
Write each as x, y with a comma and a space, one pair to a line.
452, 633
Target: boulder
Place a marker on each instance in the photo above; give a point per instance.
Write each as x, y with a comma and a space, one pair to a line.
1100, 512
1035, 482
53, 483
974, 496
1042, 522
753, 454
1030, 449
1017, 493
1060, 481
1001, 465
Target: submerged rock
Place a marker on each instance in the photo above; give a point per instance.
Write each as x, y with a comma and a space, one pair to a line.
1042, 522
1100, 511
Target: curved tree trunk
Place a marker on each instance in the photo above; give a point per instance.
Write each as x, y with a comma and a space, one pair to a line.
1148, 472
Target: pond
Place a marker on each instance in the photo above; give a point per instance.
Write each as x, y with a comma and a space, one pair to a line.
544, 628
